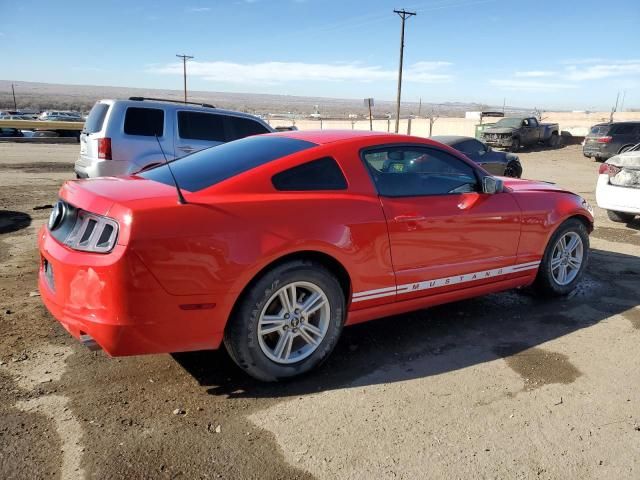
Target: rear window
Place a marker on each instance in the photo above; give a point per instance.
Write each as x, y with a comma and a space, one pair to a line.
201, 126
213, 165
96, 117
599, 130
147, 122
245, 127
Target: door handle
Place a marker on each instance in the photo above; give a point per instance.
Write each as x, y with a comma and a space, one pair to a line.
186, 148
409, 217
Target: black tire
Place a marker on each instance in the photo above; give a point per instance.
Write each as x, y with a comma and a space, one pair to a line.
545, 282
513, 170
620, 217
515, 145
553, 141
241, 334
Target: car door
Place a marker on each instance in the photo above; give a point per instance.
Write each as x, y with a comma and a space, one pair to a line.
529, 133
444, 233
198, 130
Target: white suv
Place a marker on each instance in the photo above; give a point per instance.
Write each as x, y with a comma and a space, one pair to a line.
122, 137
618, 187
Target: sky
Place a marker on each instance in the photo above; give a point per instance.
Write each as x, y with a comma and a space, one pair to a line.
569, 54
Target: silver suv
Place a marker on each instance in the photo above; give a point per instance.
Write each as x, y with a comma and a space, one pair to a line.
122, 137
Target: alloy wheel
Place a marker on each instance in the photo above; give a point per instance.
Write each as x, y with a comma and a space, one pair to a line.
293, 322
568, 254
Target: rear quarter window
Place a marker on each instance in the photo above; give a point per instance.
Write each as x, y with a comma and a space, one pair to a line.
245, 127
321, 174
147, 122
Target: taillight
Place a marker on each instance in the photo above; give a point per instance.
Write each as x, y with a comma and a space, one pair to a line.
93, 233
604, 139
104, 148
609, 169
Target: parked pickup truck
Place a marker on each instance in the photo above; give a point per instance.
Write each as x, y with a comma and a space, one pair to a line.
515, 132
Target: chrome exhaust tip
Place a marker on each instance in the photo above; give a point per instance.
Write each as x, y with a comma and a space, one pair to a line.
89, 342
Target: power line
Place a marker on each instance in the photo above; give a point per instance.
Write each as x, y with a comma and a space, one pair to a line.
403, 14
184, 71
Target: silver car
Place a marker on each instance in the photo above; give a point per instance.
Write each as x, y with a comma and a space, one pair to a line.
121, 137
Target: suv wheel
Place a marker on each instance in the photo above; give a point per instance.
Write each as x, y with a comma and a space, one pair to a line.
288, 322
564, 259
620, 217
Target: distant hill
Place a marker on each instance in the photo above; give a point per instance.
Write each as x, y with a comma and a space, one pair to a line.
42, 96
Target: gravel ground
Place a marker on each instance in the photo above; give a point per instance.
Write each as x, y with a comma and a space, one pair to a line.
504, 386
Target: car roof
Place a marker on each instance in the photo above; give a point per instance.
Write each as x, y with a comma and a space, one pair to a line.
176, 106
321, 137
451, 139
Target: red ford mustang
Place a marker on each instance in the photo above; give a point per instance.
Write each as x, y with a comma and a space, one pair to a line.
283, 239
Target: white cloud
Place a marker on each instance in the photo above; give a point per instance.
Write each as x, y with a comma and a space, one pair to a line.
603, 69
533, 85
273, 73
198, 9
535, 74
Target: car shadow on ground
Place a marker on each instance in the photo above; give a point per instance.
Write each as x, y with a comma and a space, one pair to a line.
11, 221
441, 339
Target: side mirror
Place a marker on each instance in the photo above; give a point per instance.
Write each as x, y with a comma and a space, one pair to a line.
491, 185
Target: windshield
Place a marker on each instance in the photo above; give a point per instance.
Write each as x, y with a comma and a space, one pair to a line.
213, 165
508, 123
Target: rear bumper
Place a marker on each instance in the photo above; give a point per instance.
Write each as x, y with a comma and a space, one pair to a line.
113, 300
596, 151
91, 168
618, 199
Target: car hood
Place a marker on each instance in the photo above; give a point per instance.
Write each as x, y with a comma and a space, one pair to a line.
499, 130
520, 185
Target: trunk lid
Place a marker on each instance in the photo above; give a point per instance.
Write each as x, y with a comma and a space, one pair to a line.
629, 173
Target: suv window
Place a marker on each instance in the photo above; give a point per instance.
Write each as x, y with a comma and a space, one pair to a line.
415, 171
213, 165
95, 120
245, 127
201, 126
599, 130
148, 122
321, 174
623, 130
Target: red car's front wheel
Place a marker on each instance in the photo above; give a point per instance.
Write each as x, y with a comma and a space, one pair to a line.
288, 322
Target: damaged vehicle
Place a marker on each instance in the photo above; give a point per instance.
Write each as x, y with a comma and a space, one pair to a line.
515, 132
618, 188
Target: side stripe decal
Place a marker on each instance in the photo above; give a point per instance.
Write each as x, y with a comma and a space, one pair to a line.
442, 282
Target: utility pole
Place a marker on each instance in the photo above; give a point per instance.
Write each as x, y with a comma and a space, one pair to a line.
403, 14
184, 71
615, 108
420, 107
13, 90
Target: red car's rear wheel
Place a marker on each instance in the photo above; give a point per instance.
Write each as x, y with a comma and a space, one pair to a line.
288, 322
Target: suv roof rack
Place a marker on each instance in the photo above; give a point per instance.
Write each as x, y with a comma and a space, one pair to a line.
140, 99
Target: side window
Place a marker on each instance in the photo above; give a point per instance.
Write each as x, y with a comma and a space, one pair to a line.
417, 171
148, 122
623, 130
245, 127
471, 147
321, 174
201, 126
525, 122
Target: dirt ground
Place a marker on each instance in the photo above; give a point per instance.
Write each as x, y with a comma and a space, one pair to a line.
504, 386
